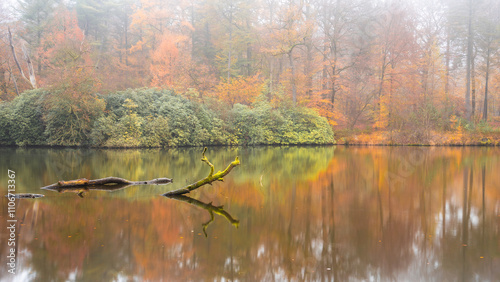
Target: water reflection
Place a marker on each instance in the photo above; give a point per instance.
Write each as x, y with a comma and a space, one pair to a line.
305, 213
211, 209
82, 191
109, 184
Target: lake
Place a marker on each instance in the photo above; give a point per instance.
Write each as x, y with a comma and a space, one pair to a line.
329, 213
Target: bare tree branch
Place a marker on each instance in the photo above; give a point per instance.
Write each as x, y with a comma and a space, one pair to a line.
32, 80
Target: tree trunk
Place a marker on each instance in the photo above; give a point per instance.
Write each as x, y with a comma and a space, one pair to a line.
447, 75
485, 106
230, 43
308, 69
333, 81
294, 86
31, 70
473, 86
324, 74
468, 108
13, 78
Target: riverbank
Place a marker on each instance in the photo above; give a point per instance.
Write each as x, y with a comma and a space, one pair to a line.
433, 138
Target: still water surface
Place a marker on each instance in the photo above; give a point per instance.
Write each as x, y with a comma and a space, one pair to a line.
289, 213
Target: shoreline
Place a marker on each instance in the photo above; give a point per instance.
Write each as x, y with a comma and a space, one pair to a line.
346, 144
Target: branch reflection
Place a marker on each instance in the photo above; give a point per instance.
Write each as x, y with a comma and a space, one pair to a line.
219, 210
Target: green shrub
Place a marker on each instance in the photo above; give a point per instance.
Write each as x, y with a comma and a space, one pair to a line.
263, 124
69, 118
5, 124
155, 132
27, 126
152, 118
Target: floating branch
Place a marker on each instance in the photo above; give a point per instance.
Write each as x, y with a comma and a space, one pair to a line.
219, 176
80, 186
208, 207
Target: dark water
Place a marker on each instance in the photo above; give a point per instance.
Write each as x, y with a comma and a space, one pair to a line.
290, 213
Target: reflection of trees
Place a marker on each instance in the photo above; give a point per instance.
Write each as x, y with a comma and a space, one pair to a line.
342, 222
211, 209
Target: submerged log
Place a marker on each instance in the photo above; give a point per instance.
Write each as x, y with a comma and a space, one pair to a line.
219, 176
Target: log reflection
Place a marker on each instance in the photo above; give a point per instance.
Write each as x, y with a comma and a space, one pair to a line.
83, 185
81, 191
211, 209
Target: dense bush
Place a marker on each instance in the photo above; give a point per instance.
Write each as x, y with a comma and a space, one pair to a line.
5, 125
69, 118
152, 118
21, 119
264, 124
162, 118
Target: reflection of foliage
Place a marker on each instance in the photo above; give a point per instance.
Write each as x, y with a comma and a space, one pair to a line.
219, 210
339, 222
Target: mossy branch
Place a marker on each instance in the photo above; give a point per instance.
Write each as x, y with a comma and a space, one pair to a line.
219, 176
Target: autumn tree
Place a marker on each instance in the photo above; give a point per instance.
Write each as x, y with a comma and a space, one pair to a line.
72, 106
288, 32
488, 46
36, 16
243, 90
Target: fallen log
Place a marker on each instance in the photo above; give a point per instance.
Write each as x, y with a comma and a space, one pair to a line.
219, 176
83, 185
107, 181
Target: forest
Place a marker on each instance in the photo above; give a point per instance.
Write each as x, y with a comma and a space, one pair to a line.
153, 73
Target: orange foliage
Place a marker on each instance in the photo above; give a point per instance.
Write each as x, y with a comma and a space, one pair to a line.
64, 50
166, 66
243, 90
380, 73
